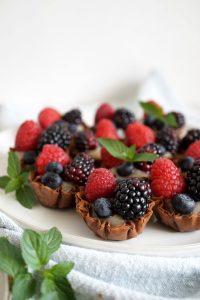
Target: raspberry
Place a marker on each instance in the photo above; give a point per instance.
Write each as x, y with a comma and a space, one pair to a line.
80, 168
168, 138
73, 116
108, 160
48, 116
192, 136
123, 117
85, 140
194, 150
166, 179
101, 183
51, 153
139, 134
106, 129
193, 181
27, 136
180, 119
105, 111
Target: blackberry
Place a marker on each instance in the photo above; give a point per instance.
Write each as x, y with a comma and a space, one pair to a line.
168, 138
192, 135
85, 140
123, 117
71, 127
56, 134
131, 198
154, 148
73, 116
193, 180
180, 119
153, 123
80, 168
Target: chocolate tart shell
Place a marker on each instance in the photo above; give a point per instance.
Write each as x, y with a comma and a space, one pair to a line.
104, 229
178, 222
48, 197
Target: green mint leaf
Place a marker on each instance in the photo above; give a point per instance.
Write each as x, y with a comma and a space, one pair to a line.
152, 110
60, 286
13, 185
146, 156
13, 168
116, 148
131, 153
65, 287
34, 249
4, 181
170, 120
24, 287
24, 177
52, 238
26, 196
61, 269
11, 261
52, 296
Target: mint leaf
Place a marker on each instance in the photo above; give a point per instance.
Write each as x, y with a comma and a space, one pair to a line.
52, 238
34, 249
152, 110
170, 120
65, 287
13, 185
24, 177
146, 156
62, 269
13, 168
11, 261
60, 286
131, 153
4, 181
52, 296
116, 148
26, 196
24, 287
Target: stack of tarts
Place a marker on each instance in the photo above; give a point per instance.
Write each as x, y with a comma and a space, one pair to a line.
118, 172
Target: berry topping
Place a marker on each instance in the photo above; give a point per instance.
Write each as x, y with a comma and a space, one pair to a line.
131, 198
123, 117
125, 169
27, 136
101, 183
54, 167
183, 204
193, 181
48, 116
108, 160
56, 134
139, 134
73, 116
29, 157
180, 119
102, 207
79, 169
194, 150
106, 129
186, 163
168, 138
51, 153
166, 179
85, 140
105, 111
192, 136
51, 180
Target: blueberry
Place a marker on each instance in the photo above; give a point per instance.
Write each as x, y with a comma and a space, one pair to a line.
186, 163
183, 204
51, 180
125, 169
29, 157
102, 207
54, 167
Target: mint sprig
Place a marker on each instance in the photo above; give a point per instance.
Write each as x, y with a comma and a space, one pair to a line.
16, 181
27, 267
119, 150
157, 113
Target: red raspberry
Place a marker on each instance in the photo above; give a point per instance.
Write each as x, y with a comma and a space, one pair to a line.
27, 136
105, 111
155, 104
166, 179
106, 129
101, 183
51, 153
139, 134
108, 160
194, 150
48, 116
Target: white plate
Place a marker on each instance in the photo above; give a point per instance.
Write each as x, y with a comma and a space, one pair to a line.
155, 240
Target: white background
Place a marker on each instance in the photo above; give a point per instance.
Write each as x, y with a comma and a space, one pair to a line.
63, 52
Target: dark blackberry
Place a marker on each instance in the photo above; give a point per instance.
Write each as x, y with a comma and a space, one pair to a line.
80, 168
123, 117
56, 134
131, 198
193, 181
153, 123
71, 127
85, 140
168, 138
180, 119
191, 136
73, 116
154, 148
